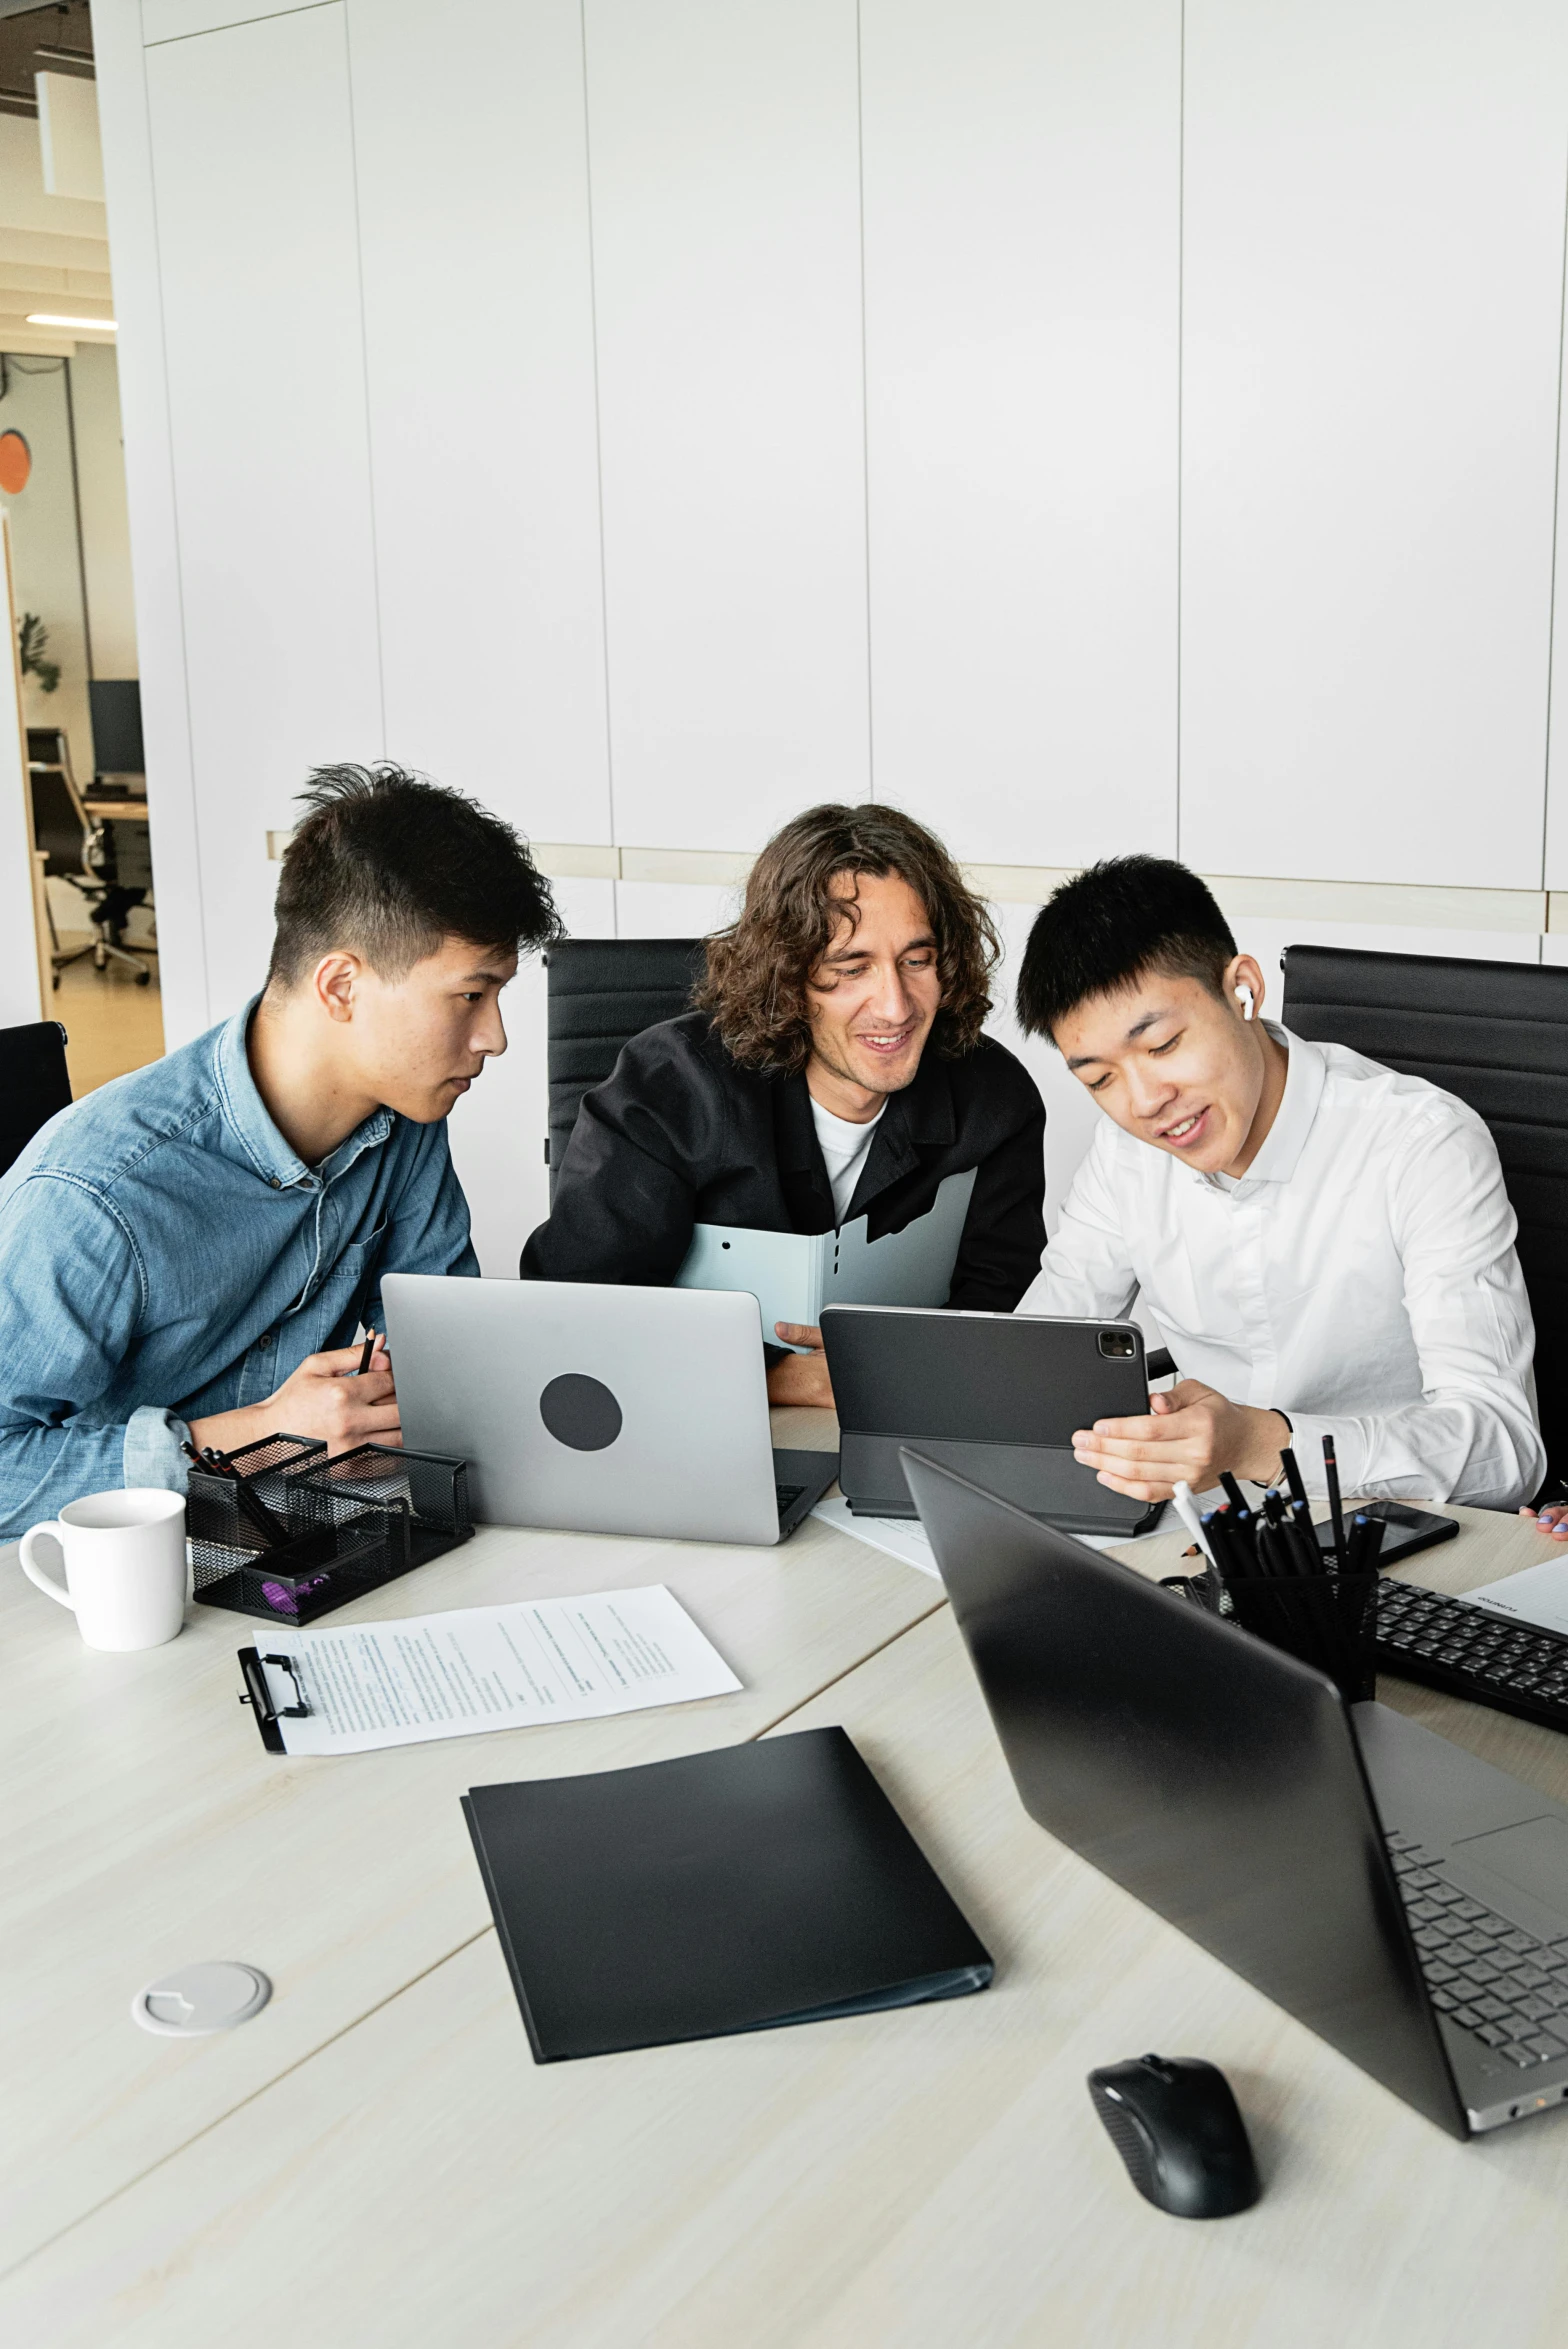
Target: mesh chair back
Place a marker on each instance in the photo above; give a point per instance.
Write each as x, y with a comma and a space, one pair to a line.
1495, 1034
34, 1083
60, 828
600, 993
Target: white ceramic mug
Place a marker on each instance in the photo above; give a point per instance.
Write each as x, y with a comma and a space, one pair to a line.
124, 1566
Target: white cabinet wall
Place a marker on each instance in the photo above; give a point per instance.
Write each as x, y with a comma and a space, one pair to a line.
252, 150
725, 176
1093, 427
1022, 184
472, 169
1372, 302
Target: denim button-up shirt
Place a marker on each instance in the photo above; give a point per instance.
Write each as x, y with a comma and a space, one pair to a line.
164, 1255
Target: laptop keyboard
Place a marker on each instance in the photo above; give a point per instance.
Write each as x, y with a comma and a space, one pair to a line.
1424, 1635
787, 1495
1484, 1973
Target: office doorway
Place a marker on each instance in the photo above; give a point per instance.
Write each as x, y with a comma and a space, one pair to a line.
62, 482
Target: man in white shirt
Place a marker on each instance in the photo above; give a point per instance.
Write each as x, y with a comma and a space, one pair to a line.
1326, 1246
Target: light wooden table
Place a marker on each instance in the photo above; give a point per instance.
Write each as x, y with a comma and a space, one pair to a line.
147, 1826
394, 2168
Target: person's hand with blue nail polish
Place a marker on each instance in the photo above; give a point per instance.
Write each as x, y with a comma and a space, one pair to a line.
1553, 1519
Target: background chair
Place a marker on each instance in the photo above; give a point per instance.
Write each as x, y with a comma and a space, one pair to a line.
79, 851
1495, 1034
34, 1083
600, 992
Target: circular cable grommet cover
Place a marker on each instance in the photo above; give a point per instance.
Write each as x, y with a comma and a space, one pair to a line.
198, 2000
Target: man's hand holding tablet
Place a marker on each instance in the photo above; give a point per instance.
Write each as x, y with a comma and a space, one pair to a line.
1191, 1436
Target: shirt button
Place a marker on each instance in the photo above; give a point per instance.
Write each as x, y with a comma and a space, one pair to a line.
265, 1340
276, 1182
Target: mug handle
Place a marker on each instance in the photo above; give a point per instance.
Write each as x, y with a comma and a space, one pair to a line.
34, 1572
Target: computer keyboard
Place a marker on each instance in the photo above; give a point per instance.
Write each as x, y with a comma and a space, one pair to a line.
787, 1495
1424, 1635
1508, 1988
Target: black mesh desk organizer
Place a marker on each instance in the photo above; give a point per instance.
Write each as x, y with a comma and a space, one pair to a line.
1495, 1034
353, 1523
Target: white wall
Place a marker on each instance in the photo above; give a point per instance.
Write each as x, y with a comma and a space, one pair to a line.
20, 985
45, 559
106, 526
1095, 424
1022, 275
1372, 304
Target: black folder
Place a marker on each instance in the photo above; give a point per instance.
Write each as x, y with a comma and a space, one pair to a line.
733, 1891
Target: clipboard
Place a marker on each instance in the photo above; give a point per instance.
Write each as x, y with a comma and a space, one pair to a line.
269, 1714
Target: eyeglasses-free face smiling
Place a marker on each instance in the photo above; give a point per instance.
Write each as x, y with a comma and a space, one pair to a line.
1180, 1067
873, 997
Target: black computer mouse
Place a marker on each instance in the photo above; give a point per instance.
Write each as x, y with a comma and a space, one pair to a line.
1176, 2124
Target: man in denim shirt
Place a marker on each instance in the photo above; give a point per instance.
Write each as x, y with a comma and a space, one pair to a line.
186, 1254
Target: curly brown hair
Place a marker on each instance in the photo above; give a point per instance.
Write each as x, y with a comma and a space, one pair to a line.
758, 969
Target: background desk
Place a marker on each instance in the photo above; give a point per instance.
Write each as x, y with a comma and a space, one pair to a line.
123, 811
377, 2158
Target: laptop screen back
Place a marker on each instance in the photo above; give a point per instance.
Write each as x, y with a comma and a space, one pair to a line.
1215, 1779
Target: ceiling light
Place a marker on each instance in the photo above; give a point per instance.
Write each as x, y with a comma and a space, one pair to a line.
94, 325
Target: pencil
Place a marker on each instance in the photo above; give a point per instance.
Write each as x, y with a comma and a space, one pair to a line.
367, 1354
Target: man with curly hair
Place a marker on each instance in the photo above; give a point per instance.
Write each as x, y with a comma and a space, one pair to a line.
833, 1067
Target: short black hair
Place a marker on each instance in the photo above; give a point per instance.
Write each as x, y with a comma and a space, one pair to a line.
388, 864
1115, 924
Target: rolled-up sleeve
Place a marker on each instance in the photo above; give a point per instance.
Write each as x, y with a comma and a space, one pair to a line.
1472, 1436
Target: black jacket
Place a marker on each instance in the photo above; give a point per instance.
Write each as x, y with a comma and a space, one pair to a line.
680, 1134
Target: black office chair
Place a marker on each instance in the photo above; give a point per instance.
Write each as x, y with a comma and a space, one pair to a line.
79, 851
600, 992
34, 1083
1496, 1034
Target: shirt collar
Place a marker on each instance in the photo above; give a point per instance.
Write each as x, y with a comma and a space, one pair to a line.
254, 1130
1286, 1138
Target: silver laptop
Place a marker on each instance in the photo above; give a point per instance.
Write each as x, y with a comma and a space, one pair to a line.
599, 1409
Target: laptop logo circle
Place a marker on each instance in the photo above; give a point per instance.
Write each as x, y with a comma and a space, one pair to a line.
580, 1411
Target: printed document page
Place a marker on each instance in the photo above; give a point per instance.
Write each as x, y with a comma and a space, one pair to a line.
1539, 1595
428, 1676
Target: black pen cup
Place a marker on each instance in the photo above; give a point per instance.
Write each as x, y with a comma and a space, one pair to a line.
1326, 1620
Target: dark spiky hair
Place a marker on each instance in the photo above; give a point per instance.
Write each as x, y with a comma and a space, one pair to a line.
1107, 928
387, 864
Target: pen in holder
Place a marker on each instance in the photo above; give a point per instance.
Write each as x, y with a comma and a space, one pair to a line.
1266, 1570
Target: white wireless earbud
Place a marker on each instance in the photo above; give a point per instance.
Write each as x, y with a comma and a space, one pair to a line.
1245, 999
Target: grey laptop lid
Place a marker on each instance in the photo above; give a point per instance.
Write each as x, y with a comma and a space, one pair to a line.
598, 1408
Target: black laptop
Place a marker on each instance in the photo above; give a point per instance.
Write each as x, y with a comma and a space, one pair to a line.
997, 1396
1405, 1901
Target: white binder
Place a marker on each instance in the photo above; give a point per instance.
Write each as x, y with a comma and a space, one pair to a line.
793, 1275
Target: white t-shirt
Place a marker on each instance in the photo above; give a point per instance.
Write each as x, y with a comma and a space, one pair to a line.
844, 1147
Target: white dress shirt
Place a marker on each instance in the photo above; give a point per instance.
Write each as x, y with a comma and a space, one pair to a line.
1360, 1276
